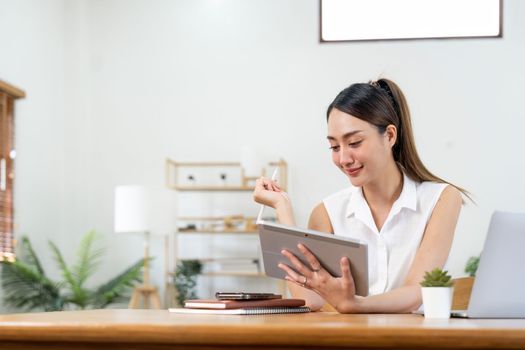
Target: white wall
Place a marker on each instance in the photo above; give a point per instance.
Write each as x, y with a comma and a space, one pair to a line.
32, 57
116, 86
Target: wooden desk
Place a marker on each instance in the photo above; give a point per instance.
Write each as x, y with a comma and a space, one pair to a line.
158, 329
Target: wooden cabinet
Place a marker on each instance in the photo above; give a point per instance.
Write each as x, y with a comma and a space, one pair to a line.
8, 95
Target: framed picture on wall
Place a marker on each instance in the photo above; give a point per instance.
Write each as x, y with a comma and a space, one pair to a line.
365, 20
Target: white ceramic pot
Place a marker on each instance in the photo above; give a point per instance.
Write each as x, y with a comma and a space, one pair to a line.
437, 301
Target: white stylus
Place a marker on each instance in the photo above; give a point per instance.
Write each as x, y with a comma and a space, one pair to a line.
261, 211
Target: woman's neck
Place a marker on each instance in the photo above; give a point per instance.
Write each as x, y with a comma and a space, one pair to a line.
384, 190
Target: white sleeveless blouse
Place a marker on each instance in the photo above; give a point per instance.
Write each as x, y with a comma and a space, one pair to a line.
392, 250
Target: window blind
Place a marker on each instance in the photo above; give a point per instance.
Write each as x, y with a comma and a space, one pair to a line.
8, 95
6, 177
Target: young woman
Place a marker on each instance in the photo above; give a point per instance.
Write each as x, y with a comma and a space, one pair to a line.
406, 214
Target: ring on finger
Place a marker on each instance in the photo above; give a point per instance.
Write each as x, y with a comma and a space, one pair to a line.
305, 281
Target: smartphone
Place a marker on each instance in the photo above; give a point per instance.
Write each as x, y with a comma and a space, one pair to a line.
246, 296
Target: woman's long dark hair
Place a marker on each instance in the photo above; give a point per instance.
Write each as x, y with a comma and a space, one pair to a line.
382, 103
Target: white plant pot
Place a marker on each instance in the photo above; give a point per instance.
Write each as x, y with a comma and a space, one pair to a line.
437, 301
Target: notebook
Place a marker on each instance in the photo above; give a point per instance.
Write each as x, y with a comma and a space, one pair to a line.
243, 311
237, 304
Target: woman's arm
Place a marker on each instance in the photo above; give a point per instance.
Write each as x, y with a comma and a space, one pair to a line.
269, 193
340, 291
433, 252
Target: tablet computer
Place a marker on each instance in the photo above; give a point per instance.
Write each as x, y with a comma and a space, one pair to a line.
328, 248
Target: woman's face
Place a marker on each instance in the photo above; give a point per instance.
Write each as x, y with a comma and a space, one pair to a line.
358, 149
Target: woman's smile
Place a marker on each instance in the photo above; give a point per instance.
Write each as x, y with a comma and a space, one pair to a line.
353, 171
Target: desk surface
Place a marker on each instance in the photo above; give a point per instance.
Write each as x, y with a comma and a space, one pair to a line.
159, 329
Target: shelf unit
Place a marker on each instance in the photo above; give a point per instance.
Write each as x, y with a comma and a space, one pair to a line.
193, 178
173, 176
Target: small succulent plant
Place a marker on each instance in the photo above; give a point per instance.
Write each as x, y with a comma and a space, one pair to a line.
436, 278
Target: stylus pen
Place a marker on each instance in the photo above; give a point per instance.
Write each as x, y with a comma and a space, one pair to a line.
261, 211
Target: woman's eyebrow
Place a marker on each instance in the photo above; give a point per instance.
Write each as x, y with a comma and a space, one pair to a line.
345, 136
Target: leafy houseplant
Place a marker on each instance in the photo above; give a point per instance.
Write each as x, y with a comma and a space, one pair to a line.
27, 287
185, 279
437, 293
472, 266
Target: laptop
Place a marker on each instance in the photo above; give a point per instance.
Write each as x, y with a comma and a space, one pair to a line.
499, 287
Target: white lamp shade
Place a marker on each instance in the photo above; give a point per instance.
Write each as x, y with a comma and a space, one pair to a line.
141, 209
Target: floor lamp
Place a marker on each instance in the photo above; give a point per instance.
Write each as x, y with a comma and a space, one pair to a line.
142, 210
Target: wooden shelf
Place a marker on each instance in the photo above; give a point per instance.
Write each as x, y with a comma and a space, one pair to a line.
245, 184
212, 188
234, 273
220, 231
252, 262
240, 258
229, 273
216, 218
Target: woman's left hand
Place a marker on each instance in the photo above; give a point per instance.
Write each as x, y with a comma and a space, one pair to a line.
337, 291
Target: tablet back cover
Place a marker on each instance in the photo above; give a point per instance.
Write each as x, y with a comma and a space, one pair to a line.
328, 249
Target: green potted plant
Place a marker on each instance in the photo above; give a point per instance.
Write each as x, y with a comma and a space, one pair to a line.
437, 292
27, 287
472, 266
185, 280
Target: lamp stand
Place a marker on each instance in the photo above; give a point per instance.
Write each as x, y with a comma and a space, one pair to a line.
145, 292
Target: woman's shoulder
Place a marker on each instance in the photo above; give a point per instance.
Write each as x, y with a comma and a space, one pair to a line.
433, 186
320, 219
336, 204
451, 194
437, 191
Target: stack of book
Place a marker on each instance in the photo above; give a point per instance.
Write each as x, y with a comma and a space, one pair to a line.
242, 307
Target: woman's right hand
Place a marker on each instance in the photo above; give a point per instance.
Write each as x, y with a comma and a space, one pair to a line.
269, 193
